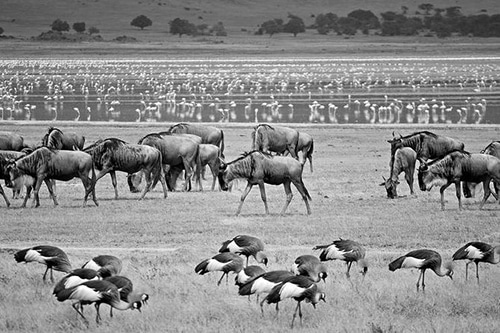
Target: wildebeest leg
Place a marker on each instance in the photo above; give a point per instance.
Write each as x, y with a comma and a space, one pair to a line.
458, 190
289, 196
263, 196
409, 180
27, 196
4, 196
149, 182
441, 190
50, 183
163, 183
243, 196
112, 173
303, 192
487, 192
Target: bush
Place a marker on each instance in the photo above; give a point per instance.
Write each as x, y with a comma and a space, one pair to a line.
79, 27
93, 30
182, 27
1, 30
141, 21
59, 25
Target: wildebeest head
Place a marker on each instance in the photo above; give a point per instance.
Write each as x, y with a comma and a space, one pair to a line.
390, 186
222, 176
427, 179
11, 172
134, 180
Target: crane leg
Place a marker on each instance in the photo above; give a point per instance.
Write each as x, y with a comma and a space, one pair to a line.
75, 306
466, 270
477, 272
220, 280
45, 274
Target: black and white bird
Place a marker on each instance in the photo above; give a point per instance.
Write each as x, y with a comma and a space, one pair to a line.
225, 262
299, 288
310, 266
75, 278
263, 283
97, 292
126, 289
105, 265
248, 273
423, 260
52, 257
476, 252
346, 250
248, 246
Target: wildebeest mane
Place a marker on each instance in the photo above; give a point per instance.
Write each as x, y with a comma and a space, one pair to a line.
150, 135
488, 146
247, 153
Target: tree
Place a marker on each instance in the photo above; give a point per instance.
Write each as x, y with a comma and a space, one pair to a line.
219, 29
79, 27
427, 7
141, 21
182, 27
367, 19
295, 25
326, 22
59, 25
1, 30
272, 27
347, 26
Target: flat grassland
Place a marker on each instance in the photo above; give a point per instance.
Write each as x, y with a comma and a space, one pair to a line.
161, 240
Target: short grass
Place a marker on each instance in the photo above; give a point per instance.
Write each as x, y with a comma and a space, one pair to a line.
161, 240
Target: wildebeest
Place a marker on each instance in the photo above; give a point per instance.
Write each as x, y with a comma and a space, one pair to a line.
45, 163
276, 139
306, 146
404, 160
55, 138
259, 168
176, 150
209, 155
208, 134
11, 141
426, 144
459, 166
5, 157
111, 155
493, 148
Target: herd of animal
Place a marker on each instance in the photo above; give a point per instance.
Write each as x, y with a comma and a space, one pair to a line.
97, 282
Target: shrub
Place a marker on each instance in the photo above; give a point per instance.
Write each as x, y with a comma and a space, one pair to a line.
1, 30
79, 27
59, 25
93, 30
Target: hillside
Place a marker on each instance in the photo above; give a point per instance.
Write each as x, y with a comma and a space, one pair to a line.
29, 18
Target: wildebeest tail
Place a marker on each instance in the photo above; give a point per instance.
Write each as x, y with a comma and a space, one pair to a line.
221, 147
305, 190
197, 171
396, 264
157, 170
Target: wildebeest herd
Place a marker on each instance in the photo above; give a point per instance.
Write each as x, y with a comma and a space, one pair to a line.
443, 161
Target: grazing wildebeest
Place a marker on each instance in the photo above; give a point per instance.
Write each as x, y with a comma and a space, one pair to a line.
469, 188
426, 144
11, 141
209, 155
111, 155
208, 134
44, 164
55, 138
5, 157
176, 150
306, 146
459, 166
259, 168
276, 139
404, 160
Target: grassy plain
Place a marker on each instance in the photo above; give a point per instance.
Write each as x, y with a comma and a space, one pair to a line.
161, 241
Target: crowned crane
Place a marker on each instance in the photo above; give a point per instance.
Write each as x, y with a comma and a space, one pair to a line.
297, 287
126, 289
97, 292
311, 267
248, 273
225, 262
346, 250
263, 283
476, 252
105, 265
247, 246
52, 257
75, 278
423, 260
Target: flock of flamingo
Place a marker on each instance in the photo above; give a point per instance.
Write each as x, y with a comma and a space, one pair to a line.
317, 91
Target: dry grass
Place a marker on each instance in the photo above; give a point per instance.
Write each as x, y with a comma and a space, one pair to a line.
161, 241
